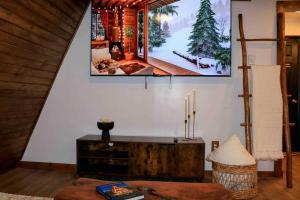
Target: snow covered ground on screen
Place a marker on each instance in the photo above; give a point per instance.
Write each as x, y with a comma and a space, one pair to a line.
178, 42
180, 29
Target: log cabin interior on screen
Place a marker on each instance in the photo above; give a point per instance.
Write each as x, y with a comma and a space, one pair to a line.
163, 38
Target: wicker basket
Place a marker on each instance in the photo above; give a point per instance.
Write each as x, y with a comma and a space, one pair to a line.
240, 180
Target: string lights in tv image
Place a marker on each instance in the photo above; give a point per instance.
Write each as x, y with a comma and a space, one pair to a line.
163, 38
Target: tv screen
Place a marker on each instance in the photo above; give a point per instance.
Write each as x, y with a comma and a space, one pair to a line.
161, 38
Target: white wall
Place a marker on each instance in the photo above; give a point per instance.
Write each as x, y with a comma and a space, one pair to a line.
78, 100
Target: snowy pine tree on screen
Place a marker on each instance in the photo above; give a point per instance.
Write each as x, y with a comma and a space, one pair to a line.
204, 38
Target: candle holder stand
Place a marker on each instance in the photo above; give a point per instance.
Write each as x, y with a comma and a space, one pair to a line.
188, 129
194, 120
185, 123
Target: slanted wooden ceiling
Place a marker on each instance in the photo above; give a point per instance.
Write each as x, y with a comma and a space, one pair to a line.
34, 36
115, 3
109, 4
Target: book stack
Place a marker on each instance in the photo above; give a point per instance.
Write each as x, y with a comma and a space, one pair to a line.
119, 191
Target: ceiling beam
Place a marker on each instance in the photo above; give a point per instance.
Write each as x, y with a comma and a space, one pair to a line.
104, 2
130, 2
95, 3
111, 3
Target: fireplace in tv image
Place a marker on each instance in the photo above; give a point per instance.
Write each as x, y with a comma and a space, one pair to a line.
170, 37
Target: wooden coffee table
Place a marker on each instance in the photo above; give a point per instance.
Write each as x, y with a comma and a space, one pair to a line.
85, 189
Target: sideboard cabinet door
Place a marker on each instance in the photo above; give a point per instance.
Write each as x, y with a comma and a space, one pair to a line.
189, 161
155, 160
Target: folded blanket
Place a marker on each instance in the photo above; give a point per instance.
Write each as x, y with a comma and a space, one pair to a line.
267, 112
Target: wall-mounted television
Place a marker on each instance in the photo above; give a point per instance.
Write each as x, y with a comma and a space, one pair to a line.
161, 38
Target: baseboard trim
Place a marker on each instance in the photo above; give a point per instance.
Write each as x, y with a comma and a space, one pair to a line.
48, 166
208, 174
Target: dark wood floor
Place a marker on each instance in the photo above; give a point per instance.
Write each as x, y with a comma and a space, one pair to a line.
47, 183
274, 188
33, 182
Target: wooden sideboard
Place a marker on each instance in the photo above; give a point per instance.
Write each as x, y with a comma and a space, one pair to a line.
131, 157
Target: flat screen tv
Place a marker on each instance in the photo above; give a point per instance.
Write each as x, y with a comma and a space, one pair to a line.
161, 38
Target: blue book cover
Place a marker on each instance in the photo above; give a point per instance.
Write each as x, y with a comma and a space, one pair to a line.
119, 191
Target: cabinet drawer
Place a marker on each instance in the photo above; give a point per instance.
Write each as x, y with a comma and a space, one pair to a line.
109, 166
93, 149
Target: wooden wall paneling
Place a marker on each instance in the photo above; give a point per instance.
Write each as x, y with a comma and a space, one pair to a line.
26, 35
9, 93
24, 44
24, 79
13, 146
111, 21
12, 132
129, 19
9, 142
11, 17
15, 109
19, 70
20, 101
98, 3
9, 138
81, 4
13, 117
73, 5
6, 91
58, 13
35, 19
64, 8
34, 38
42, 12
6, 57
24, 87
11, 123
12, 150
28, 55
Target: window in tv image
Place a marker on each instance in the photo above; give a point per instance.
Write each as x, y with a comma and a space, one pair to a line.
191, 37
161, 38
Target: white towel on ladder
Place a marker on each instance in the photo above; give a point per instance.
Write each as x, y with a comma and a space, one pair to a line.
267, 111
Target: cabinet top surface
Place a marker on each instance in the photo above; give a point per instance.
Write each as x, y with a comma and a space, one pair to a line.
143, 139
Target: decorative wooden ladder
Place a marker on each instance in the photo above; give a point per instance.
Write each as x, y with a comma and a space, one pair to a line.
283, 80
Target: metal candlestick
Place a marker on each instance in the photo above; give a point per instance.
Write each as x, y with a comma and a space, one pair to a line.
189, 120
185, 123
194, 114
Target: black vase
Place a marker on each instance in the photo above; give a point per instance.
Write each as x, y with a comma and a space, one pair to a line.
105, 127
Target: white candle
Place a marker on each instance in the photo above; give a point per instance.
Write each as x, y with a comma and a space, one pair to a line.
194, 100
188, 105
186, 108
